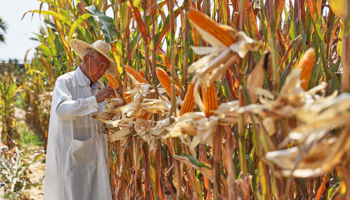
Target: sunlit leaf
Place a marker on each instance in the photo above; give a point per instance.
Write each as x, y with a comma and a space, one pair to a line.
337, 7
105, 21
76, 24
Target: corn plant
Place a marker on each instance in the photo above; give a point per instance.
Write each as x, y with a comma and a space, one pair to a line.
8, 92
14, 169
217, 99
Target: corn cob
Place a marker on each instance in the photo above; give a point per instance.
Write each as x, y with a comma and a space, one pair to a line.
189, 102
306, 65
210, 100
147, 115
166, 82
135, 74
110, 84
142, 73
204, 22
112, 80
127, 96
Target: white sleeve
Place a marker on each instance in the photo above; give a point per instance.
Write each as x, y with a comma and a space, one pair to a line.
68, 109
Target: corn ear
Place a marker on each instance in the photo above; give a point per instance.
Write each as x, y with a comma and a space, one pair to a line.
135, 74
142, 73
146, 116
205, 23
166, 82
306, 65
189, 102
109, 84
210, 100
127, 96
112, 80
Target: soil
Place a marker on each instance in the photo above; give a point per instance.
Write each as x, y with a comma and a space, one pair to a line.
35, 171
36, 174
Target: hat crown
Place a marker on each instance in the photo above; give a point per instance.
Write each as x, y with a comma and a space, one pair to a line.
101, 46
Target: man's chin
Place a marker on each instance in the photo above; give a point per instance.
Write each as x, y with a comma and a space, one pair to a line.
96, 79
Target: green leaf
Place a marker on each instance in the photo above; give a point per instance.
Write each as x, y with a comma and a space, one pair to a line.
83, 33
124, 16
337, 7
45, 49
76, 24
105, 22
334, 83
160, 35
340, 41
321, 48
134, 44
50, 13
193, 160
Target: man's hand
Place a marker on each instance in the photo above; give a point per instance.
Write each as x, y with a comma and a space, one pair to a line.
105, 93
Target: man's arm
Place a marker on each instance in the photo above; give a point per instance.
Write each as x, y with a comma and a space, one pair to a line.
69, 109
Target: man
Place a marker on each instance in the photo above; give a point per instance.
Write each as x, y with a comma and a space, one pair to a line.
77, 160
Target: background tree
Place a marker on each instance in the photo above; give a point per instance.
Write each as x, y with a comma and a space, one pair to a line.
3, 28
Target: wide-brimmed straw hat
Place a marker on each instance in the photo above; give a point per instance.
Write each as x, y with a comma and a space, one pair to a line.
100, 46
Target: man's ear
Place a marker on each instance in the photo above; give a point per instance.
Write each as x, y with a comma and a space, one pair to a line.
86, 59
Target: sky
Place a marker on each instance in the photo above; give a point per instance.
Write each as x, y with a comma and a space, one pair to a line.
19, 31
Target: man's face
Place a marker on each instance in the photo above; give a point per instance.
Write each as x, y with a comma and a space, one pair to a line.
98, 66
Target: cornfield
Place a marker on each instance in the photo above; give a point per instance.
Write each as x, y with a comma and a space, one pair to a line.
221, 99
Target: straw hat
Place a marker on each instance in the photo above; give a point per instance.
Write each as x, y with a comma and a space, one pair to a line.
100, 46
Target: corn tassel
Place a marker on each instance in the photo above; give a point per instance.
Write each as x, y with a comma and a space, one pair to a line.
204, 22
166, 82
189, 102
306, 65
135, 74
112, 80
210, 100
142, 73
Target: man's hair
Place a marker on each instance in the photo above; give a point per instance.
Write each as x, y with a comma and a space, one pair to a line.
92, 52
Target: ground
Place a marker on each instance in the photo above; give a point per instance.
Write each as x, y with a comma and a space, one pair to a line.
35, 171
36, 174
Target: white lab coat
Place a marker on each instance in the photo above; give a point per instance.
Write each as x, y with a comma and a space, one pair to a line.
77, 159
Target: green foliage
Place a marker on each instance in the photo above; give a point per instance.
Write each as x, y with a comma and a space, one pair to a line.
28, 137
286, 28
14, 169
3, 28
8, 92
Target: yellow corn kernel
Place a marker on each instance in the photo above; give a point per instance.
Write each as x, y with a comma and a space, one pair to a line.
127, 96
210, 100
204, 22
189, 102
112, 80
110, 84
142, 73
306, 65
135, 74
166, 82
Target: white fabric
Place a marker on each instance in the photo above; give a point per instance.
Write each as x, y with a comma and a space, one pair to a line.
77, 159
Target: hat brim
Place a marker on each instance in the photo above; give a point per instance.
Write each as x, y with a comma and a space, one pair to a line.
80, 46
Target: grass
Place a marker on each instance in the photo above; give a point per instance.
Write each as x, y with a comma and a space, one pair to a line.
28, 136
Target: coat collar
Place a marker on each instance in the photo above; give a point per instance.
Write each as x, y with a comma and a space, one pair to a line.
81, 80
78, 78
